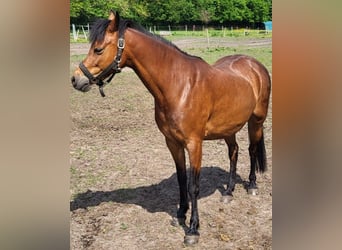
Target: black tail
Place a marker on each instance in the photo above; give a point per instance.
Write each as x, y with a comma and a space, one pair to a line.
261, 163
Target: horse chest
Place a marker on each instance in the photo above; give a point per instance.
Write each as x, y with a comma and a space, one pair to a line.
169, 125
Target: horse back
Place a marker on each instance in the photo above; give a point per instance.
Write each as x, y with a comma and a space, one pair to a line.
251, 70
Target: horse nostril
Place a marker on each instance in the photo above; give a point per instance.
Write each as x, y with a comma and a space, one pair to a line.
73, 80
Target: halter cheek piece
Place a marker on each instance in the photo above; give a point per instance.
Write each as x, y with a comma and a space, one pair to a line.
110, 71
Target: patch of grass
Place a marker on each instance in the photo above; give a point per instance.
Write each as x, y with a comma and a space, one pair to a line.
236, 33
123, 226
73, 170
211, 55
92, 178
79, 153
77, 58
121, 168
79, 40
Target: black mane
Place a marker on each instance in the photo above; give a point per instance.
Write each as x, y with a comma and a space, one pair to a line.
98, 31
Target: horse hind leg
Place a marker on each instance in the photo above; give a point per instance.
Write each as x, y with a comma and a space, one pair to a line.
257, 151
233, 150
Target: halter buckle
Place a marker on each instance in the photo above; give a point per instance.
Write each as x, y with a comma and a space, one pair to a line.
121, 43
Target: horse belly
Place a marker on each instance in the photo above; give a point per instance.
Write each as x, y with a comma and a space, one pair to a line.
213, 132
223, 124
233, 105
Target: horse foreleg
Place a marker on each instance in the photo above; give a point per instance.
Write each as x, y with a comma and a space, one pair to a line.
195, 154
178, 155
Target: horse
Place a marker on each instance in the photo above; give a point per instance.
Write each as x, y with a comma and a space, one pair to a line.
194, 101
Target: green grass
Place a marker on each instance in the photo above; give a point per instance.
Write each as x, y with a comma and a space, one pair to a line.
211, 55
79, 40
77, 58
123, 226
239, 33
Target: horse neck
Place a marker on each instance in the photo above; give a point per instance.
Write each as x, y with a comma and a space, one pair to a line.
155, 62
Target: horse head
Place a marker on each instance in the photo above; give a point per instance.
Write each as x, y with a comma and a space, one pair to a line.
105, 57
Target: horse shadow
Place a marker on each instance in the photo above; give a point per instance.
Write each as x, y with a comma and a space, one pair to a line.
161, 197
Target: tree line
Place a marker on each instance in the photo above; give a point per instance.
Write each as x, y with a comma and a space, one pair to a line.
161, 12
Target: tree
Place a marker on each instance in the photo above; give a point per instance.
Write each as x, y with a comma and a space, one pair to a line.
206, 10
259, 10
174, 11
88, 10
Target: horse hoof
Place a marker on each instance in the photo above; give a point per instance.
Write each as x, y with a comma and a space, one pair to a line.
191, 239
252, 191
178, 222
226, 199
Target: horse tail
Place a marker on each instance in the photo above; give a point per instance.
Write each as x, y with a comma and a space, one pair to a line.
261, 163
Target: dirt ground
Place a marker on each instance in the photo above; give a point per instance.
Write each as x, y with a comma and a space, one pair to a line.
124, 190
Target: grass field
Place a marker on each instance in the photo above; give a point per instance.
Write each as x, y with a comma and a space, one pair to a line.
237, 33
210, 55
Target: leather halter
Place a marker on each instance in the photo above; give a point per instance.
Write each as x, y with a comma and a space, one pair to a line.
110, 71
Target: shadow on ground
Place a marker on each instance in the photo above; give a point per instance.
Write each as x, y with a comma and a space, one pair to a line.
162, 197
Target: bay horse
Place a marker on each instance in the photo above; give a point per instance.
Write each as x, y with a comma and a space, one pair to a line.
194, 101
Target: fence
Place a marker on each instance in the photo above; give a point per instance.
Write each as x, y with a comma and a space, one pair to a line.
75, 32
81, 32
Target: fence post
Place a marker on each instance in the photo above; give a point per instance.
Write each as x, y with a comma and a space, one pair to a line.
84, 33
74, 34
208, 37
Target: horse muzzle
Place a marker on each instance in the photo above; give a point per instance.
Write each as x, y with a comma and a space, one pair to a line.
81, 83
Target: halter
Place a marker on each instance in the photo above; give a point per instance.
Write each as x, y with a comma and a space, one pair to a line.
110, 71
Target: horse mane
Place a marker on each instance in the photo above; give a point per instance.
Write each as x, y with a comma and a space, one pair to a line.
98, 31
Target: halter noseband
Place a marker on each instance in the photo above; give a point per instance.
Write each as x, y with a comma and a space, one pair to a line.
110, 71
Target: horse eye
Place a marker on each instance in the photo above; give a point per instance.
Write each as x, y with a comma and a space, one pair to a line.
98, 51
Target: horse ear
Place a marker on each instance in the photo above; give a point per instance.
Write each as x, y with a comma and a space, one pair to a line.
114, 21
112, 14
